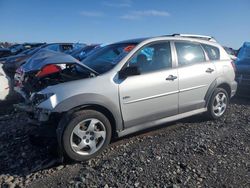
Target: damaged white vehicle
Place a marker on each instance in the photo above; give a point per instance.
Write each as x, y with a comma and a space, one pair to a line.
4, 84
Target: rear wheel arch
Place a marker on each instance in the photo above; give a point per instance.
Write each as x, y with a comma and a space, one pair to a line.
227, 87
218, 83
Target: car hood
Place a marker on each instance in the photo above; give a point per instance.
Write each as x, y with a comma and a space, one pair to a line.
14, 58
47, 57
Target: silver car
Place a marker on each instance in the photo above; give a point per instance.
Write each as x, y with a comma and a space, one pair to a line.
134, 85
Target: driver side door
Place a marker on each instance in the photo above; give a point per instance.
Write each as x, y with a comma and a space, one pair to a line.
153, 94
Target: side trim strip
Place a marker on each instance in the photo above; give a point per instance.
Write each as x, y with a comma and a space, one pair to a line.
192, 88
151, 97
164, 94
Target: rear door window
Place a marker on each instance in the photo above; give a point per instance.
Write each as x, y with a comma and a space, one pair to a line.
189, 53
213, 52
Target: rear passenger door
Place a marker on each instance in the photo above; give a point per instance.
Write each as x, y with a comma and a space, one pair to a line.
195, 74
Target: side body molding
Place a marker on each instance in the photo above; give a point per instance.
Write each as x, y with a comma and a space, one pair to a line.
91, 99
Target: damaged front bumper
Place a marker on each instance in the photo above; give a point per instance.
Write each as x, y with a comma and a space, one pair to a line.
36, 115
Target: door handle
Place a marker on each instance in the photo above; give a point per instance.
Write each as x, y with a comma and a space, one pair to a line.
171, 77
209, 70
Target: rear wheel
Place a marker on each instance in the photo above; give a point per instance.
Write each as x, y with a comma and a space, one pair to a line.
218, 104
85, 135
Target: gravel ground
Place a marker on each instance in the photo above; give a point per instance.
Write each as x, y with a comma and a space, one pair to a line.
189, 153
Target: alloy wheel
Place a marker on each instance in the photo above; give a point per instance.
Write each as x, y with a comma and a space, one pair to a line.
88, 136
220, 104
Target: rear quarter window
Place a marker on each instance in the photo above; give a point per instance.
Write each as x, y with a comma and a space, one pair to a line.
212, 52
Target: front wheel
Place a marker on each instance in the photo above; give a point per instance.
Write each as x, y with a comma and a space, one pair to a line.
218, 104
85, 135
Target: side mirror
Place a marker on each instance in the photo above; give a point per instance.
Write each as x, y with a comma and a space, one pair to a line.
128, 71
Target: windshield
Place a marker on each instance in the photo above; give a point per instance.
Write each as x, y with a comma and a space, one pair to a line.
107, 57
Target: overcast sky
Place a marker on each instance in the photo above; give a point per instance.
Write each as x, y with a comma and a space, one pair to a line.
105, 21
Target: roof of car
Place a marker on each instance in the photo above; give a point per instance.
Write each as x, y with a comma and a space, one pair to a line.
246, 44
197, 38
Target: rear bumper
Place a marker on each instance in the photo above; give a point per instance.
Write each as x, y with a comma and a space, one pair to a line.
234, 87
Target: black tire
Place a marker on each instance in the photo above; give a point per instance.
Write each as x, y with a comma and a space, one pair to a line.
210, 112
66, 127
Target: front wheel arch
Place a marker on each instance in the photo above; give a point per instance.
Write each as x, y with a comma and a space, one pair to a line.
100, 109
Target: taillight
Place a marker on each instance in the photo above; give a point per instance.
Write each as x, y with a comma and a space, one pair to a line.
47, 70
233, 65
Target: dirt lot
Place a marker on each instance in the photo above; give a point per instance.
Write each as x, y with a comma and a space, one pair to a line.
189, 153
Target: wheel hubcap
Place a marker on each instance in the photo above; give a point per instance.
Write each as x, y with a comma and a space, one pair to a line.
220, 104
88, 136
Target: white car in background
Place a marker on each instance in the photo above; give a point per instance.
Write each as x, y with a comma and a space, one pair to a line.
4, 84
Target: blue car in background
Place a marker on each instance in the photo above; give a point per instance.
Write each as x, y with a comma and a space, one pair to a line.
82, 53
243, 68
17, 48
